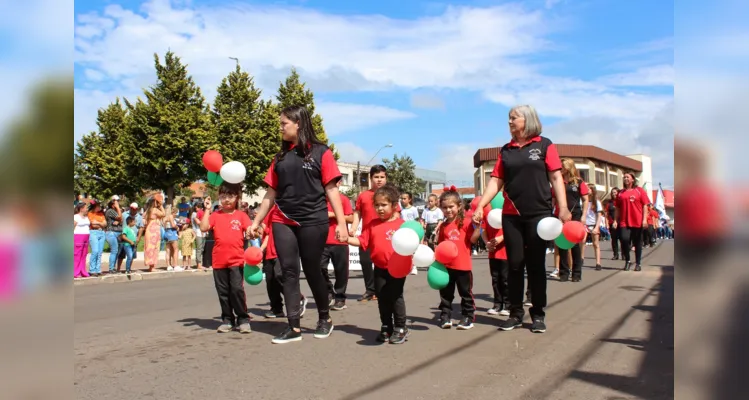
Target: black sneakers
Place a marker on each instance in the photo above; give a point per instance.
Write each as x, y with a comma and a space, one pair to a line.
339, 305
274, 314
445, 322
638, 268
289, 335
510, 324
399, 336
466, 323
385, 332
627, 266
324, 328
368, 297
598, 267
538, 325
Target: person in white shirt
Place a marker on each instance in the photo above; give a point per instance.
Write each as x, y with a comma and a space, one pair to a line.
593, 218
431, 219
409, 213
81, 225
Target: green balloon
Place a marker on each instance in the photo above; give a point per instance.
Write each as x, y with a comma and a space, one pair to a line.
253, 275
214, 179
437, 276
498, 201
416, 227
563, 243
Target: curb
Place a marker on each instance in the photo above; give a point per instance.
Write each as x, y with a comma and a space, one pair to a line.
139, 276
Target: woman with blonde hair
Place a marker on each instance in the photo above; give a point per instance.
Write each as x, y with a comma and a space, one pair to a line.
153, 216
577, 200
593, 219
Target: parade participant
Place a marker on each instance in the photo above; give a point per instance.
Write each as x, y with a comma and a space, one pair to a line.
631, 217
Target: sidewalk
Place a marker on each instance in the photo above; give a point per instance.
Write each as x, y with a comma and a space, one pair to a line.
139, 271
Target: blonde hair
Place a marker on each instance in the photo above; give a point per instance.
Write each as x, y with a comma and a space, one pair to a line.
569, 171
533, 125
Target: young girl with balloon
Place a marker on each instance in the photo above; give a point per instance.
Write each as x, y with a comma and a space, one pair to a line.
455, 238
229, 226
379, 240
577, 200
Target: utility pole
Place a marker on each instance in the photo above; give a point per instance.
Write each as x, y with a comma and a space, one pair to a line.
358, 177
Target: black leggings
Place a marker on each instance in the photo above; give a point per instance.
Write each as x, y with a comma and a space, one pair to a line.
615, 241
631, 237
525, 251
390, 300
307, 243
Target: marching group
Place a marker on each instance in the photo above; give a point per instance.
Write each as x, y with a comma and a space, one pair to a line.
303, 224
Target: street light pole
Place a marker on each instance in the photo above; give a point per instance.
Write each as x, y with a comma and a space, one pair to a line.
235, 60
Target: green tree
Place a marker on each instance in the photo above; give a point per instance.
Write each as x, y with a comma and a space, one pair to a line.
294, 93
243, 128
402, 173
170, 130
101, 163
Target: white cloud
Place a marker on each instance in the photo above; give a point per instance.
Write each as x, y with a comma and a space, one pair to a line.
351, 152
427, 101
659, 75
456, 160
341, 118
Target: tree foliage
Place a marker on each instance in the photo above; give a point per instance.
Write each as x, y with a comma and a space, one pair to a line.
402, 173
293, 92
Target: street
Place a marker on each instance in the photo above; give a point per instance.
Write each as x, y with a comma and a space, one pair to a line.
610, 336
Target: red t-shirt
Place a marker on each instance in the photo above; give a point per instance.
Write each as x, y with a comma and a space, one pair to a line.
702, 213
553, 163
377, 239
629, 204
365, 206
500, 253
653, 216
228, 231
334, 224
270, 248
462, 238
328, 169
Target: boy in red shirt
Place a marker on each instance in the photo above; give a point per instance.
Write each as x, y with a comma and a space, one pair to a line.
229, 226
377, 238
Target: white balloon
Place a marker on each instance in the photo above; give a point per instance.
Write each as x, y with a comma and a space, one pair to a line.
405, 241
424, 256
549, 228
233, 172
495, 218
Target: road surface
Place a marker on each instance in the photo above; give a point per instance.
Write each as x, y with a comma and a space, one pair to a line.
610, 337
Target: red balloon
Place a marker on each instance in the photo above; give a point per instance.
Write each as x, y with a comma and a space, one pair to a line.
574, 231
213, 161
253, 256
475, 203
446, 252
400, 266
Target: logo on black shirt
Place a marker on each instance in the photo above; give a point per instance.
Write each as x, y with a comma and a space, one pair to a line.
535, 154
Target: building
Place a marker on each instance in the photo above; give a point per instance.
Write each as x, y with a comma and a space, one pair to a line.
467, 193
596, 165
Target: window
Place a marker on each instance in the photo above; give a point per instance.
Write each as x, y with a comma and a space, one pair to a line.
584, 174
344, 179
613, 180
600, 178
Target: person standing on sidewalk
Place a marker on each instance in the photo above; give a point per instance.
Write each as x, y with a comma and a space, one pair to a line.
229, 226
299, 179
113, 216
195, 218
525, 167
337, 253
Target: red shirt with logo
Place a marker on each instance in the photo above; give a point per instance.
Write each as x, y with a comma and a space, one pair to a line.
629, 204
346, 203
462, 238
501, 252
228, 231
377, 239
270, 248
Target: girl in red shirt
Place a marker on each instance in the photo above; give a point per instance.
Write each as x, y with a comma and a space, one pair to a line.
229, 226
459, 229
377, 240
631, 217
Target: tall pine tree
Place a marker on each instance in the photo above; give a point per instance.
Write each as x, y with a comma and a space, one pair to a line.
294, 93
101, 165
170, 130
242, 132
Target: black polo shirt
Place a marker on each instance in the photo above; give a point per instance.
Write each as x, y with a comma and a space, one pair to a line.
300, 185
524, 172
575, 192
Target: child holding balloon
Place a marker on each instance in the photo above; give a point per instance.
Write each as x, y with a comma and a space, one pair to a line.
388, 288
229, 226
460, 231
577, 200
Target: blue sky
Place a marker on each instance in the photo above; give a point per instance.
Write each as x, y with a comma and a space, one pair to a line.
434, 80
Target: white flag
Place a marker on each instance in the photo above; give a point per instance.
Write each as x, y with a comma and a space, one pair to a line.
660, 203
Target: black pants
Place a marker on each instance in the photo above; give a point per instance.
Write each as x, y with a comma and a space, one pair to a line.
208, 250
338, 255
615, 241
390, 300
577, 262
273, 283
499, 270
429, 235
525, 250
464, 281
230, 288
651, 235
366, 269
631, 237
306, 243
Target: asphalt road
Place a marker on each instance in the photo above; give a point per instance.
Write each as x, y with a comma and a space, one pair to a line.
610, 337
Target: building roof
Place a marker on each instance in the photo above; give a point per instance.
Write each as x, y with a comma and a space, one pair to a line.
571, 151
